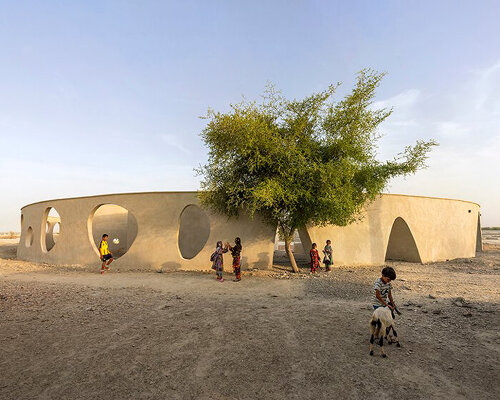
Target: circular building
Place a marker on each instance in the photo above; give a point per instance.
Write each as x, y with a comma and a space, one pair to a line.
169, 230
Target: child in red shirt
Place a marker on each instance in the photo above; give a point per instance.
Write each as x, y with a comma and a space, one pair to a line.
314, 258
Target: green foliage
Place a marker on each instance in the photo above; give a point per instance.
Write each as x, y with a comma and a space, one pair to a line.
301, 162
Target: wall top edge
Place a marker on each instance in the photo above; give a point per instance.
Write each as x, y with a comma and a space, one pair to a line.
430, 197
109, 195
194, 192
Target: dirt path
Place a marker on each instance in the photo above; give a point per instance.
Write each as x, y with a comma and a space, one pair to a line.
78, 335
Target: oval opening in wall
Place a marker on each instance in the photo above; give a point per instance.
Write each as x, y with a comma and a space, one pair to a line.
194, 230
28, 241
118, 223
51, 228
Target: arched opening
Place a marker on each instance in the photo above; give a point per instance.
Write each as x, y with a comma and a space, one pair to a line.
194, 230
116, 221
479, 235
28, 240
51, 218
402, 246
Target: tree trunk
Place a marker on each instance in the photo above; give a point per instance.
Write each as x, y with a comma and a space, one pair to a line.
289, 253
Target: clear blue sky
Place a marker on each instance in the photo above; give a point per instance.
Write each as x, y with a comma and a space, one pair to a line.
104, 96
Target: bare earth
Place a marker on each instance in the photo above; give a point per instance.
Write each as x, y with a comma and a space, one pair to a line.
69, 333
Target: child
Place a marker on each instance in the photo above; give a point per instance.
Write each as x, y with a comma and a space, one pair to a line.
106, 255
328, 252
236, 253
383, 289
314, 258
218, 260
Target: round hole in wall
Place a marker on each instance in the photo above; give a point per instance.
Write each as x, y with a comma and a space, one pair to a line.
50, 233
28, 241
194, 230
115, 221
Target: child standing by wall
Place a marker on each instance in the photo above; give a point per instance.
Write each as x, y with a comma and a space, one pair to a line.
218, 260
236, 253
105, 254
328, 252
314, 258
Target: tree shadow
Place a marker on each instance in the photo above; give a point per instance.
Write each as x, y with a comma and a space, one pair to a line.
281, 261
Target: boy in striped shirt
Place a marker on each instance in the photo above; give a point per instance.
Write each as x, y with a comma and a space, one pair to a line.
382, 289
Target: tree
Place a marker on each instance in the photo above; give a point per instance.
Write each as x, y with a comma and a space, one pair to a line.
301, 162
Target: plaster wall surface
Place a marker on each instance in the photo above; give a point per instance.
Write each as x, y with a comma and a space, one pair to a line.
154, 219
442, 229
169, 230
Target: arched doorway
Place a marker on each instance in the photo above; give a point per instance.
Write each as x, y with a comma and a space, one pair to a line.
401, 245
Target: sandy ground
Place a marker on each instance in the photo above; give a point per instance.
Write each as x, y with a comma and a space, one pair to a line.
73, 334
491, 236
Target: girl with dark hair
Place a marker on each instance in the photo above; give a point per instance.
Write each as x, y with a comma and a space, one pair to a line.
236, 253
218, 260
314, 258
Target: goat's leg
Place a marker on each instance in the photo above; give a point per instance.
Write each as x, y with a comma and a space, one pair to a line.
381, 344
372, 339
388, 335
396, 337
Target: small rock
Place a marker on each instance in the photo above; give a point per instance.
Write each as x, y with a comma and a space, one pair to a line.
468, 315
437, 312
90, 309
460, 302
431, 296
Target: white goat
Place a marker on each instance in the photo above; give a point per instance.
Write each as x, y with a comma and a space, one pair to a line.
380, 326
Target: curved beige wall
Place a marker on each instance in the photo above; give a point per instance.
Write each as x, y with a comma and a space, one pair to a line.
442, 229
439, 229
157, 219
